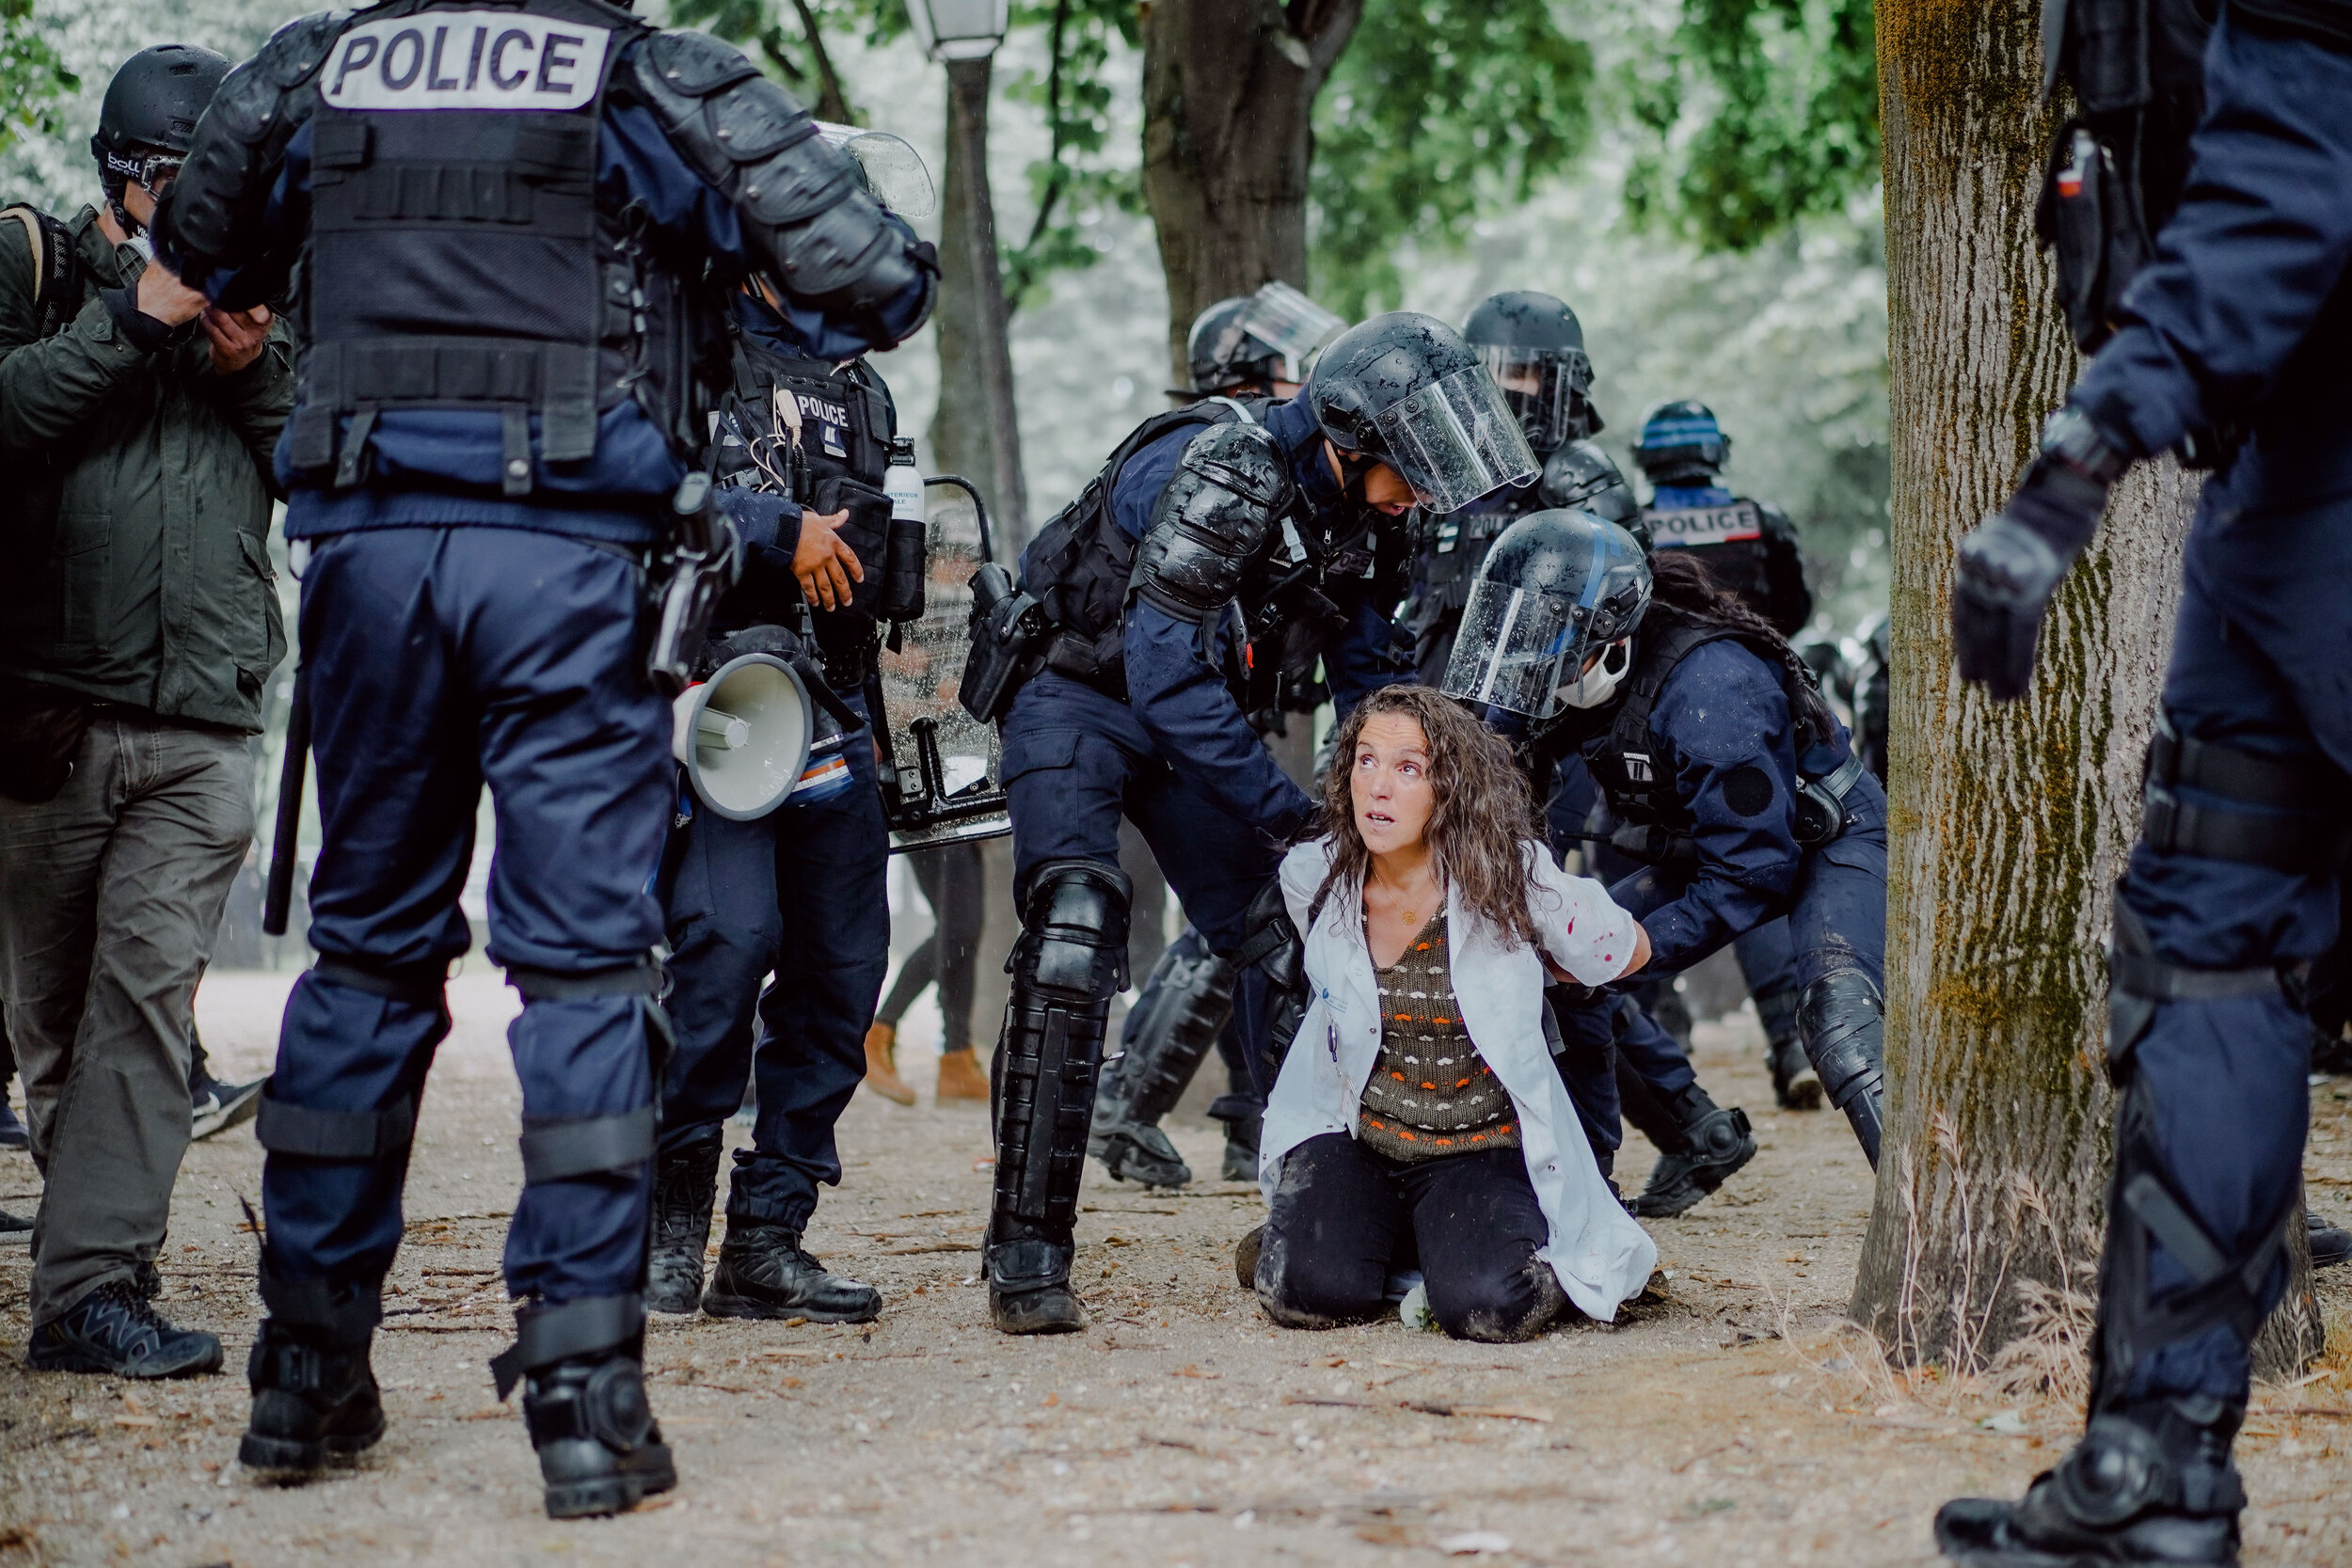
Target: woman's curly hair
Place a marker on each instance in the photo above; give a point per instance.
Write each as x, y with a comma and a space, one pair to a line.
1483, 817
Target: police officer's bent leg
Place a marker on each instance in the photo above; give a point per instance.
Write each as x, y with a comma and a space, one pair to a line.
442, 657
1768, 961
832, 870
721, 915
1837, 924
2230, 885
1180, 1013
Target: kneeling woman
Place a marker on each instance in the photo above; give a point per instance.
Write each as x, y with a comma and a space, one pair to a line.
1418, 1113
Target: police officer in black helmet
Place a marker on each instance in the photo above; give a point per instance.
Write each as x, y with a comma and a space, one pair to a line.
1221, 543
1253, 345
512, 231
1533, 346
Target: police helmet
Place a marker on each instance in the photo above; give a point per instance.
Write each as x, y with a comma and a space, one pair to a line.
148, 120
1582, 476
1556, 588
1535, 346
1250, 341
1681, 443
1405, 390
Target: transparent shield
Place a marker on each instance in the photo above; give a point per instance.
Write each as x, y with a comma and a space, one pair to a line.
1511, 648
941, 781
894, 170
1455, 439
1290, 324
1540, 386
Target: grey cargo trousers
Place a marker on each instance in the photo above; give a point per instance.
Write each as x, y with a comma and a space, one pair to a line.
110, 897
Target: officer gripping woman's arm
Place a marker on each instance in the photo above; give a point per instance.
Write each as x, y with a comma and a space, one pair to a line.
1210, 525
514, 229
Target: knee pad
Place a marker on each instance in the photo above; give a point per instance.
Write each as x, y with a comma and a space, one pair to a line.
1071, 958
1190, 998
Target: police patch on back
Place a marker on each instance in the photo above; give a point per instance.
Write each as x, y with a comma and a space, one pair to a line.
466, 60
1705, 525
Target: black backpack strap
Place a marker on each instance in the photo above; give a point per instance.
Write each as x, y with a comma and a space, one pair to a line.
56, 269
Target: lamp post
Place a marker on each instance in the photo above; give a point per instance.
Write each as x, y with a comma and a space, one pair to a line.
964, 35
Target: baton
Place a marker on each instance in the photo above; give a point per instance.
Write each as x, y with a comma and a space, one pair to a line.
283, 850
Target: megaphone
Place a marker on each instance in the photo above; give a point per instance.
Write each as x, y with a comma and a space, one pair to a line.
744, 735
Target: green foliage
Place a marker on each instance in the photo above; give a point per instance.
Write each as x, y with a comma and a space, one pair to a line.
1074, 186
790, 36
32, 77
1439, 108
1760, 113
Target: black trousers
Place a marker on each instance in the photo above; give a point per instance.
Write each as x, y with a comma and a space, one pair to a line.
1343, 1214
954, 884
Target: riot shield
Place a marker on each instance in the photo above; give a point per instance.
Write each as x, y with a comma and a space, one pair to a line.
939, 770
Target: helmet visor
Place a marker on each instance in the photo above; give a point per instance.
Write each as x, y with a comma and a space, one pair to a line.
894, 170
1512, 649
1544, 388
1291, 325
1456, 439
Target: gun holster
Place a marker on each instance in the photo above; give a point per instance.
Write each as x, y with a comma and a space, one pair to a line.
1008, 626
702, 562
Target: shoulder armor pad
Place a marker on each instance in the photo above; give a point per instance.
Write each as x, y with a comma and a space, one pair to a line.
693, 64
295, 50
1243, 458
1213, 520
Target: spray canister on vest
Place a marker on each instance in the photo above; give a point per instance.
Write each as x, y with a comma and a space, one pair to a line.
904, 565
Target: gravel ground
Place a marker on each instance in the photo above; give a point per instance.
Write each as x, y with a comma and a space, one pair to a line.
1179, 1429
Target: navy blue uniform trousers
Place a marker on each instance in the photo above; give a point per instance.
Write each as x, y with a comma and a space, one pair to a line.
801, 893
2226, 1079
439, 659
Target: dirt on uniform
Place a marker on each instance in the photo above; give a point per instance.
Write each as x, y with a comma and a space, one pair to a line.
1180, 1428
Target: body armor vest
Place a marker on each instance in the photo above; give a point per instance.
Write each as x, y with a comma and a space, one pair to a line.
1626, 760
457, 258
835, 418
1080, 565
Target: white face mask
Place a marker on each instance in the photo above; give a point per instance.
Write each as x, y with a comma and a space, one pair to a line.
1600, 683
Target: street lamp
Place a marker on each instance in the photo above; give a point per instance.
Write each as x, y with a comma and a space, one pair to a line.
964, 35
958, 29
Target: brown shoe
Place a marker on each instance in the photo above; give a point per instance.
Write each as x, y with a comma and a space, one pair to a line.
881, 1071
961, 1076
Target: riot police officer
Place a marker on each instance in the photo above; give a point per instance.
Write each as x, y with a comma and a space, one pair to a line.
804, 439
1256, 345
1220, 545
1749, 549
501, 225
2232, 346
1250, 345
1733, 781
1534, 347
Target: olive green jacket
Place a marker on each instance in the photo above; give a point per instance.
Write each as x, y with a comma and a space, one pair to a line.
135, 501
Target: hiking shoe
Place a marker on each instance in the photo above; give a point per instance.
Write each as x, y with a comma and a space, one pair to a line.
113, 1330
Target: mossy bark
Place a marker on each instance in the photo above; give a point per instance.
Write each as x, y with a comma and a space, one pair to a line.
2009, 823
1227, 88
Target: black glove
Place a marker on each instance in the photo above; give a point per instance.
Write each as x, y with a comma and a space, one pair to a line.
2011, 566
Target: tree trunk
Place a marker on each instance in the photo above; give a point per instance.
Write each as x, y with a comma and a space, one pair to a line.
974, 432
1228, 88
2009, 823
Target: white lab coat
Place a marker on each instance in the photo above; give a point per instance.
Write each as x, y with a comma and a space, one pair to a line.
1601, 1257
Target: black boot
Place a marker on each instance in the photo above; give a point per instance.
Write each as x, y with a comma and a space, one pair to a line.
2152, 1486
600, 1451
1070, 961
685, 1186
1176, 1018
1243, 1116
1842, 1021
12, 1132
762, 1273
1703, 1144
314, 1395
114, 1330
1028, 1281
2330, 1245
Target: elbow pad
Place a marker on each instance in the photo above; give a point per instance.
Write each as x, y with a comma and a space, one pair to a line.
805, 212
208, 218
1213, 521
